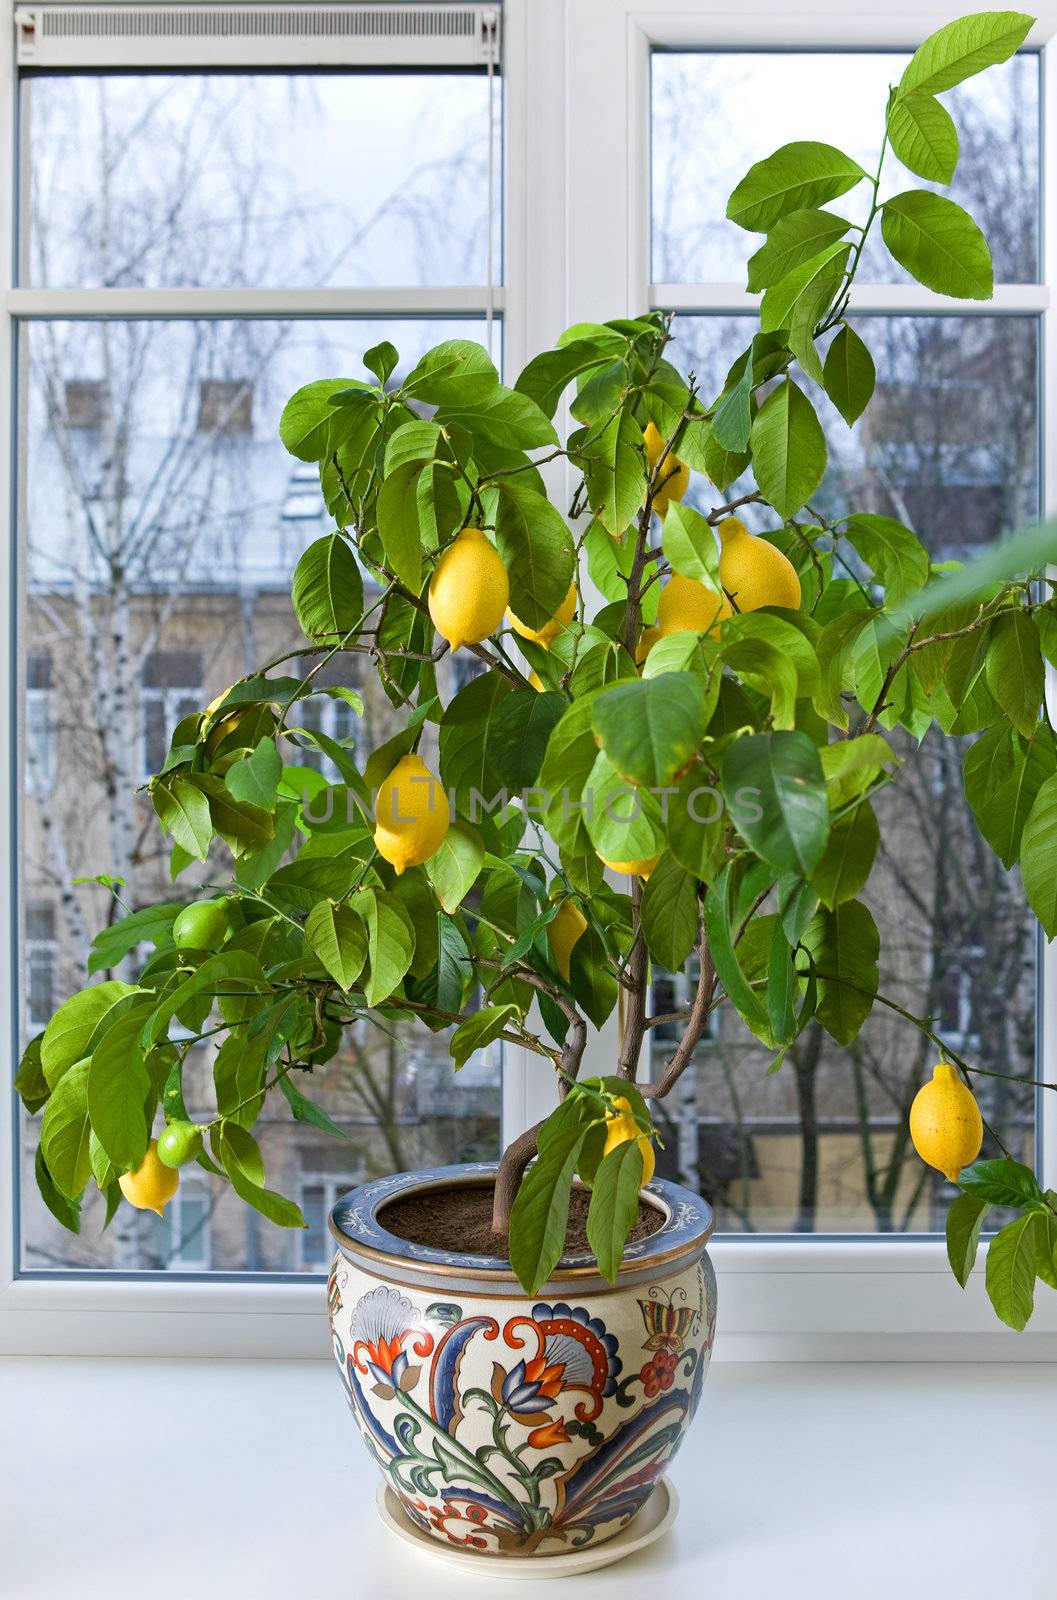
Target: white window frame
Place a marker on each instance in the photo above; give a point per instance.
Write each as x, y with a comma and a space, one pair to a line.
576, 246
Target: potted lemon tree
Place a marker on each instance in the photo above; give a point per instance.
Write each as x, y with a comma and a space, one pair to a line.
523, 1345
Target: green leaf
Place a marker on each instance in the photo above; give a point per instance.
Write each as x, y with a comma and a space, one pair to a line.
849, 858
390, 942
590, 977
151, 924
241, 826
507, 418
30, 1082
327, 590
781, 989
456, 372
796, 177
478, 1031
690, 545
622, 821
732, 418
1038, 853
304, 1110
849, 374
938, 243
669, 913
964, 1221
337, 936
183, 812
651, 728
63, 1209
696, 825
810, 284
964, 47
1001, 1182
256, 777
851, 765
1009, 557
455, 866
794, 239
399, 527
788, 449
238, 1162
615, 473
844, 947
382, 359
923, 136
893, 553
1014, 669
717, 916
776, 795
1002, 787
413, 442
537, 550
614, 1205
1044, 1225
118, 1085
549, 374
524, 722
64, 1132
1010, 1272
308, 418
540, 1212
69, 1034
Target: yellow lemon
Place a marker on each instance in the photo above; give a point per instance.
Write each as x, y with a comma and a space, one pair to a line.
152, 1185
675, 474
687, 606
634, 869
620, 1127
469, 590
412, 813
563, 932
753, 572
945, 1122
550, 630
535, 681
645, 645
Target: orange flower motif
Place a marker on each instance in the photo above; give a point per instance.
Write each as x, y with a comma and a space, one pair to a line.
551, 1433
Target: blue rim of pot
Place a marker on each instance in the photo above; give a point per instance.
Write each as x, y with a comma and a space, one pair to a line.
357, 1223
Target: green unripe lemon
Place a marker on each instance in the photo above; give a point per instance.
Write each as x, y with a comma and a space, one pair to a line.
179, 1144
203, 925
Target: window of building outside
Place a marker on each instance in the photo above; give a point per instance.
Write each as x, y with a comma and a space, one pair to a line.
950, 446
160, 521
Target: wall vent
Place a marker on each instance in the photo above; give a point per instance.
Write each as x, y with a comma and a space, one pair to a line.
414, 35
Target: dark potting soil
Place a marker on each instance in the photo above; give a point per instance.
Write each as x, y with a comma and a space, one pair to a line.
461, 1219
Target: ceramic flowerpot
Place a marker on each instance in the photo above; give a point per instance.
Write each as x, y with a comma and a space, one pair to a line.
510, 1424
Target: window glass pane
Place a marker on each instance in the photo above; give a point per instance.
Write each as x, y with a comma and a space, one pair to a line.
256, 179
156, 570
839, 99
821, 1145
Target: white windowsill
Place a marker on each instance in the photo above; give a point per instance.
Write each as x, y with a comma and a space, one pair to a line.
779, 1300
819, 1482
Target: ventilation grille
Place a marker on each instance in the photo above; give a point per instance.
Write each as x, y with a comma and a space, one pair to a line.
221, 35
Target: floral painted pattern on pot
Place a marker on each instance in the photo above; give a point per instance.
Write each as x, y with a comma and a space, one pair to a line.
510, 1425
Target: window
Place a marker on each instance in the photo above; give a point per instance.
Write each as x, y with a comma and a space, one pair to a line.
160, 518
40, 743
132, 318
170, 689
181, 1238
318, 1195
949, 446
41, 955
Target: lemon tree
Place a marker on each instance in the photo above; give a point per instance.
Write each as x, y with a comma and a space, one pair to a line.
678, 681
